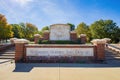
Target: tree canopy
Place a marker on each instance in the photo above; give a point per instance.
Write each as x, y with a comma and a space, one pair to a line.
28, 30
17, 29
45, 28
105, 29
83, 28
72, 26
5, 28
24, 30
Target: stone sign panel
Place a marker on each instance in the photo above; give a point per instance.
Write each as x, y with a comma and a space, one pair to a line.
60, 32
59, 52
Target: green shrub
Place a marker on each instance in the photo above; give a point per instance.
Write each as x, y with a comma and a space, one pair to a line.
40, 42
64, 42
78, 41
45, 42
58, 42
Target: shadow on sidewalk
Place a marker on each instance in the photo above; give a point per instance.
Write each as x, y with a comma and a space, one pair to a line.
27, 67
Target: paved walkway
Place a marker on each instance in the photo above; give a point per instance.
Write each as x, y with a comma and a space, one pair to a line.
37, 71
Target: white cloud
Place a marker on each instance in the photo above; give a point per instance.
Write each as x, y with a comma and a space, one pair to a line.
54, 11
10, 13
22, 2
40, 12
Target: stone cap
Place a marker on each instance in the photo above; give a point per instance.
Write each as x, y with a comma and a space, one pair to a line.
13, 39
37, 35
107, 40
86, 45
21, 41
72, 32
59, 24
82, 35
46, 31
98, 41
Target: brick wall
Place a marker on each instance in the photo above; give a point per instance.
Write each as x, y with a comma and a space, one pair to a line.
20, 53
36, 40
83, 38
46, 35
73, 36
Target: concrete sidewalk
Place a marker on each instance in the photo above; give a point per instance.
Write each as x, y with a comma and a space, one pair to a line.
38, 71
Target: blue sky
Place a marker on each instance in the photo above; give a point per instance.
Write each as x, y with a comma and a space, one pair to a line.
46, 12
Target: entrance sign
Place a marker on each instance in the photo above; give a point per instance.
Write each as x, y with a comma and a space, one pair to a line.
59, 52
59, 32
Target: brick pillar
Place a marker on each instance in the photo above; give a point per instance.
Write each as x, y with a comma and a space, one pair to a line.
46, 35
36, 38
73, 36
83, 38
100, 48
20, 49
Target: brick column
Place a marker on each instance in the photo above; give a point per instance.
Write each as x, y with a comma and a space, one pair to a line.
46, 35
83, 38
73, 36
36, 38
20, 49
100, 49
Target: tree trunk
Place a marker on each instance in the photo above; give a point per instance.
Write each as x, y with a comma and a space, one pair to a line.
6, 40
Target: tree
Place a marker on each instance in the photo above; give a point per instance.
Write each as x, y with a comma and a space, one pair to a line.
5, 28
3, 24
23, 29
17, 29
72, 26
42, 30
82, 28
9, 32
45, 28
105, 29
29, 30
